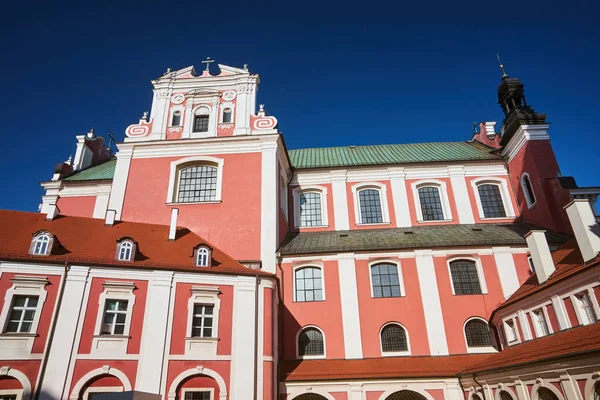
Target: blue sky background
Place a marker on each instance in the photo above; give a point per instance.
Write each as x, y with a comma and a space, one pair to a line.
332, 73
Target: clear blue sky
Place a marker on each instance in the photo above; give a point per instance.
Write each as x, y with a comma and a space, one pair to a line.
333, 74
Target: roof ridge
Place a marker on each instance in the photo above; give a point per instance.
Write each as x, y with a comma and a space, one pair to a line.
379, 145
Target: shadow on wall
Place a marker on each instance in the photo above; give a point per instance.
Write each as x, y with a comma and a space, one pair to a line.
289, 333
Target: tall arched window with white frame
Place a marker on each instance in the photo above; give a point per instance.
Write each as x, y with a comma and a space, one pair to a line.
197, 183
528, 190
370, 206
431, 203
491, 201
465, 277
308, 284
311, 209
393, 339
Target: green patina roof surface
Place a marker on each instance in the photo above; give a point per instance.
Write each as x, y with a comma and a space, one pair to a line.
417, 237
390, 154
95, 173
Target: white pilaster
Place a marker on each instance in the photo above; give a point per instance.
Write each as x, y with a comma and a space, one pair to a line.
454, 392
154, 344
521, 390
561, 313
507, 271
461, 195
101, 205
400, 197
51, 196
524, 322
340, 201
243, 344
117, 195
159, 113
355, 391
569, 388
245, 106
269, 208
432, 306
53, 386
349, 300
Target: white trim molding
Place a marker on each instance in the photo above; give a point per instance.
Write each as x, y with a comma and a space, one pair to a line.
104, 370
502, 184
382, 190
25, 392
444, 199
511, 328
178, 165
203, 347
199, 370
524, 134
322, 190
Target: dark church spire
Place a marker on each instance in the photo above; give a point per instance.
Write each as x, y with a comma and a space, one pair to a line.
511, 97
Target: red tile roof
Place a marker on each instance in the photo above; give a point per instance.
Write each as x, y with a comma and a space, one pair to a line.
378, 368
568, 261
89, 241
585, 339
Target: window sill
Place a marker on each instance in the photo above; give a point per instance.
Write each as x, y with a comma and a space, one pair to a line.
311, 357
487, 349
311, 227
469, 294
309, 301
388, 297
203, 339
372, 223
106, 335
497, 218
422, 221
194, 202
17, 335
395, 353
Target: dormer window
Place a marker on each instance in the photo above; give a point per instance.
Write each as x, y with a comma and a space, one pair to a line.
126, 250
227, 116
203, 256
176, 121
41, 245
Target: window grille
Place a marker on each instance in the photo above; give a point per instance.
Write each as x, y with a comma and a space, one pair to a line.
203, 257
540, 321
477, 333
393, 338
227, 116
476, 397
8, 397
491, 201
587, 310
204, 395
202, 320
370, 206
22, 313
309, 285
431, 203
125, 250
176, 118
406, 395
504, 395
310, 343
115, 315
597, 391
385, 280
310, 209
310, 396
197, 184
42, 242
528, 190
546, 394
201, 123
464, 277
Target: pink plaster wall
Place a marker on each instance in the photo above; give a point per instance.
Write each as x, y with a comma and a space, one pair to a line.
82, 206
571, 312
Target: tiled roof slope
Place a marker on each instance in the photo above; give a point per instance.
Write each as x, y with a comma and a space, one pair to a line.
89, 241
585, 339
567, 260
104, 171
378, 368
349, 156
409, 238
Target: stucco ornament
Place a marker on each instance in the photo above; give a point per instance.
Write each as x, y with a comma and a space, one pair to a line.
229, 95
177, 98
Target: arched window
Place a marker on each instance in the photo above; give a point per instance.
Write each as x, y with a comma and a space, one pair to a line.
125, 251
393, 339
371, 211
202, 257
596, 391
504, 395
310, 343
41, 245
491, 200
308, 284
431, 203
406, 395
475, 397
477, 333
528, 190
310, 396
197, 183
384, 277
176, 121
546, 394
311, 213
227, 116
465, 279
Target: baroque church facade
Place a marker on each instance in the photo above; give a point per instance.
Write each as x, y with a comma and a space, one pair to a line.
204, 260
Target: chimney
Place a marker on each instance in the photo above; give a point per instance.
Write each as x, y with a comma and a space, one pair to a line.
173, 226
540, 254
111, 215
586, 228
51, 212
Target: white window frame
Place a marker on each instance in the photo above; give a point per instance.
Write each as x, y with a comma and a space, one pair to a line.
12, 392
593, 303
222, 108
382, 189
307, 189
504, 194
298, 356
178, 165
534, 321
305, 265
203, 347
530, 204
487, 349
113, 345
38, 236
185, 390
398, 265
180, 109
208, 256
480, 273
131, 250
283, 196
101, 389
444, 199
19, 344
394, 353
513, 320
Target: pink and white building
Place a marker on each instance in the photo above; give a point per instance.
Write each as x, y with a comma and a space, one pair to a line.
204, 260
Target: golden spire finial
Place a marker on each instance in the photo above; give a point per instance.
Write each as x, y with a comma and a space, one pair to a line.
504, 75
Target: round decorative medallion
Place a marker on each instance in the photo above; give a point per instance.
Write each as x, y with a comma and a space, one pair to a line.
178, 98
230, 95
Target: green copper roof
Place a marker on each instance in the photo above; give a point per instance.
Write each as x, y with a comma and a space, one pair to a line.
95, 173
349, 156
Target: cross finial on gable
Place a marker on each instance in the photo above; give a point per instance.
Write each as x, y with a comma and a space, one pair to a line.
207, 62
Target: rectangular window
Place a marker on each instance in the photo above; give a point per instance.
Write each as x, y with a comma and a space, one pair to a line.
201, 123
202, 320
385, 280
511, 331
115, 315
540, 322
197, 395
588, 315
22, 313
